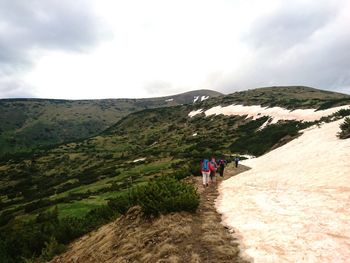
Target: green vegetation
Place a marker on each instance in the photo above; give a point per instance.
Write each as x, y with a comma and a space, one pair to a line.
345, 129
28, 124
47, 234
57, 193
261, 141
160, 196
290, 97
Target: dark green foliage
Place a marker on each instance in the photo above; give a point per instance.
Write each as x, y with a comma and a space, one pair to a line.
47, 235
345, 129
160, 196
342, 113
252, 125
121, 204
333, 103
165, 195
51, 249
259, 142
290, 97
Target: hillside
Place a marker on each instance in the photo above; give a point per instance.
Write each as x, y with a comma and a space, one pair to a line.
289, 97
73, 179
28, 123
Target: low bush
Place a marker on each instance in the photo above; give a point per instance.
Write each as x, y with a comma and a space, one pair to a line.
259, 142
160, 196
166, 194
345, 129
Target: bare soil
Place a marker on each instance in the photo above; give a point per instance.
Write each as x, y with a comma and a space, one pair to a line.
176, 237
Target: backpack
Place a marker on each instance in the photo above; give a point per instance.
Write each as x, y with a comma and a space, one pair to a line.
214, 166
205, 165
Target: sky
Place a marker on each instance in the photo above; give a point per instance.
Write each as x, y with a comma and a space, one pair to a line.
94, 49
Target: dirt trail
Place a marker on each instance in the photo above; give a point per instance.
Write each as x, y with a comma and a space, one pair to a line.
176, 237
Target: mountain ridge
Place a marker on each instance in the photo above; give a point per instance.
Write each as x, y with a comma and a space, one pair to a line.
28, 123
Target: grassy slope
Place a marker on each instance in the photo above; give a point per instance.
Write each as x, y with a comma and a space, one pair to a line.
176, 237
27, 123
83, 175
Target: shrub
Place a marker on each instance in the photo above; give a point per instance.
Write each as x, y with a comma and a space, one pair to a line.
51, 249
160, 196
259, 142
345, 129
166, 194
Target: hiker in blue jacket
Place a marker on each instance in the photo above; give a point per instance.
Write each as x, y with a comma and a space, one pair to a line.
205, 171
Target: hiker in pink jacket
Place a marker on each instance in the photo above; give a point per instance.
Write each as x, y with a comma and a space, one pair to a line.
213, 167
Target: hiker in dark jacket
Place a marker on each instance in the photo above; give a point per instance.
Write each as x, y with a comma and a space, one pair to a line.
222, 164
213, 167
205, 169
236, 161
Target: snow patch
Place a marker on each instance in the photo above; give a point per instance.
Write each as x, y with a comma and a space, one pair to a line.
264, 124
139, 160
195, 112
293, 205
204, 98
195, 98
247, 156
276, 113
169, 100
195, 134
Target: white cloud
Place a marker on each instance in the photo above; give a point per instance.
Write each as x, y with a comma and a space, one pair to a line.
163, 47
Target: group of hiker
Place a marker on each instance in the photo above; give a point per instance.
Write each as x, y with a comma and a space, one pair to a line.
209, 168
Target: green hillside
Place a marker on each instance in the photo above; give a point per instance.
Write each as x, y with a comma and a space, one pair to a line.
29, 123
72, 179
290, 97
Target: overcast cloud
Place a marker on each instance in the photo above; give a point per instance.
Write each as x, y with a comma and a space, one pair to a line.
102, 48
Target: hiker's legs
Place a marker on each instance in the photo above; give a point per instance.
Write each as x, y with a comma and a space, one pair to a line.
222, 172
205, 178
212, 177
236, 164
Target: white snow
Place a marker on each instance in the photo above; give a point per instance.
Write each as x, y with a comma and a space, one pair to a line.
247, 156
204, 98
195, 112
264, 124
195, 98
195, 134
276, 113
139, 160
169, 100
294, 204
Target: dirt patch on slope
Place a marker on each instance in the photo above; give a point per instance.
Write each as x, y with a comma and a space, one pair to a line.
176, 237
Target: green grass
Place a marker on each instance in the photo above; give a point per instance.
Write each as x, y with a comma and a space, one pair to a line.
79, 208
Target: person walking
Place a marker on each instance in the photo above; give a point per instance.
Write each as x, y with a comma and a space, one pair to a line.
213, 168
222, 164
205, 172
236, 161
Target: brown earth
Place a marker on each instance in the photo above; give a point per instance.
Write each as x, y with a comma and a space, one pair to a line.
176, 237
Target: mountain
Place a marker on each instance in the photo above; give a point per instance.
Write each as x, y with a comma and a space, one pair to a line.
289, 97
28, 123
77, 184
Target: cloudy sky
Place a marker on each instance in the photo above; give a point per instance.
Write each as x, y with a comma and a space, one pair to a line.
109, 48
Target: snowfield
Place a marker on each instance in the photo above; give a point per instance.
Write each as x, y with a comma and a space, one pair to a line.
276, 113
294, 204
